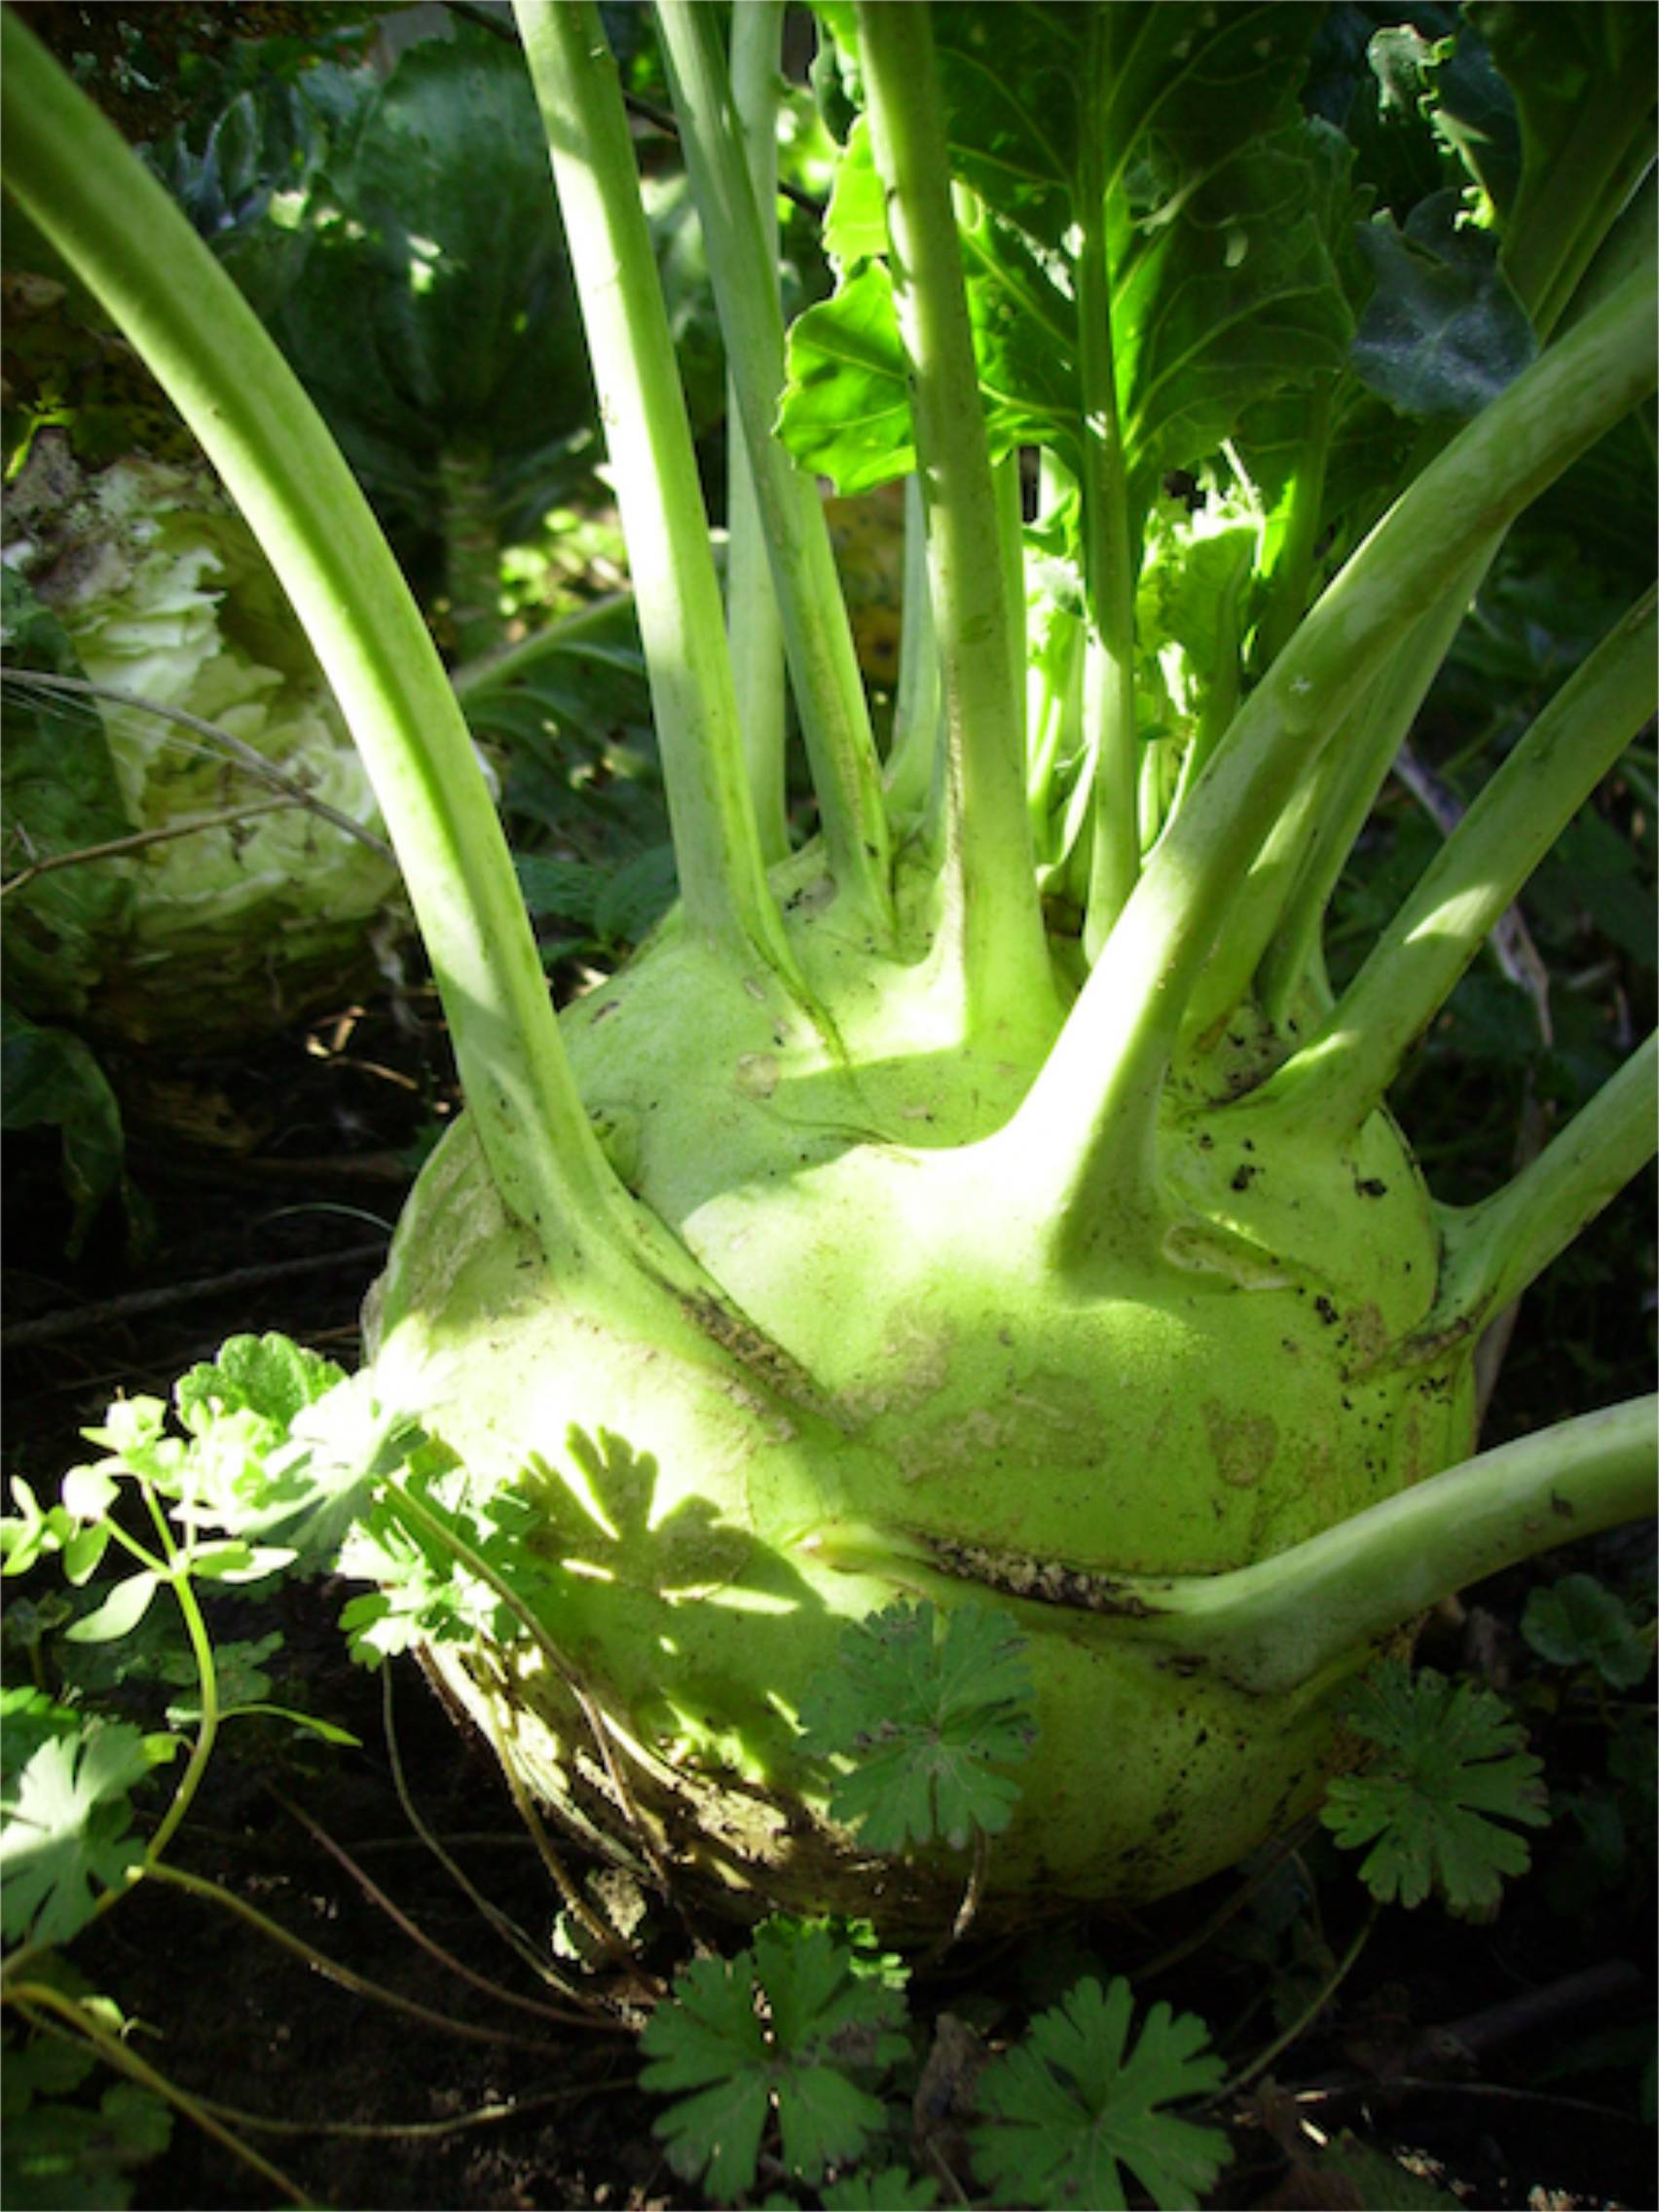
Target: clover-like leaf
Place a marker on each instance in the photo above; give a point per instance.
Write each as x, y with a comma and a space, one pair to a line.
930, 1717
786, 2027
1579, 1622
65, 1827
1071, 2106
1451, 1768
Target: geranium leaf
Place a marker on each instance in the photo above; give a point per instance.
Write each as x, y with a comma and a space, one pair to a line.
1452, 1767
65, 1827
787, 2024
1071, 2106
931, 1716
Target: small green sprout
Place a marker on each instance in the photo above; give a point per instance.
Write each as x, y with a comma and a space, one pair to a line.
1452, 1768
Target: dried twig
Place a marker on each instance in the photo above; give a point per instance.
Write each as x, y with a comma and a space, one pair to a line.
118, 847
237, 747
50, 1327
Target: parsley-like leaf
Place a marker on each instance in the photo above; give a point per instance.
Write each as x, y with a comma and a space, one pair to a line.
65, 1827
784, 2027
929, 1719
1068, 2111
1452, 1764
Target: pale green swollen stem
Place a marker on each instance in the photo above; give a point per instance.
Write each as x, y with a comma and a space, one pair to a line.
1283, 1623
1280, 1622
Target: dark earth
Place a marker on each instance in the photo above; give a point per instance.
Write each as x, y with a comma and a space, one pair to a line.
1496, 2059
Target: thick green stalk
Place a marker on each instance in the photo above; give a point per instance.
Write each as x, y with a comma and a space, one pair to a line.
1084, 1139
1565, 211
1342, 1072
608, 628
1495, 1249
913, 754
1109, 664
1290, 585
471, 549
752, 622
1279, 1623
717, 845
1280, 914
120, 231
824, 669
1007, 974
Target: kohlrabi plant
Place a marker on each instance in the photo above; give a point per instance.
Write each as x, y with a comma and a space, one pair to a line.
992, 1205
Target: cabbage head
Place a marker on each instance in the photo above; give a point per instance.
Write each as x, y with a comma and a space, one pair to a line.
143, 579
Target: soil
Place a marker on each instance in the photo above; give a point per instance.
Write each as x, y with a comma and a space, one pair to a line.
273, 1180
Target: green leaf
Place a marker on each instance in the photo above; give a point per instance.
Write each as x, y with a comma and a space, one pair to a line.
1579, 1622
1452, 1766
1069, 2109
1583, 84
636, 897
1442, 334
435, 318
786, 2025
120, 1612
285, 1452
930, 1716
890, 2189
1356, 2173
63, 2156
29, 1719
269, 1376
846, 407
567, 888
32, 1531
84, 1552
65, 1829
50, 1078
59, 792
1225, 208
